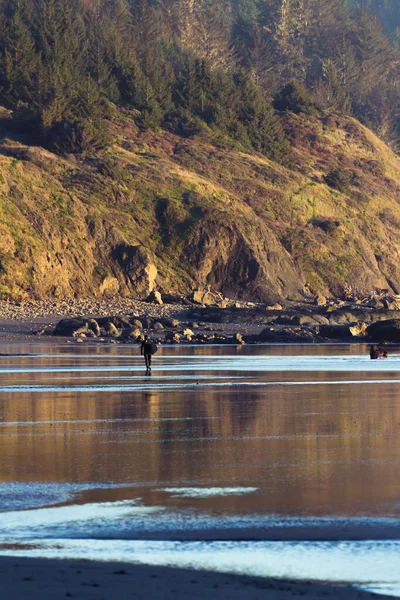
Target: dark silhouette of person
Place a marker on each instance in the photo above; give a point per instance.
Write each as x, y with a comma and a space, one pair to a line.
145, 350
375, 352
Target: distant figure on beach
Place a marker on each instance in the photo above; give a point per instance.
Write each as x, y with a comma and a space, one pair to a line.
146, 350
375, 352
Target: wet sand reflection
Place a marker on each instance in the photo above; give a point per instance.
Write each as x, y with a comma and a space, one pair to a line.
308, 449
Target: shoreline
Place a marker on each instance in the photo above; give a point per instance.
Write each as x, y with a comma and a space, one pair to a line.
47, 579
125, 321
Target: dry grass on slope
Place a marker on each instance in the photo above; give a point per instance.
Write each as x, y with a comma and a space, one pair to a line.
205, 213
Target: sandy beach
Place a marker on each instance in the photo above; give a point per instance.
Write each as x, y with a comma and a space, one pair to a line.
39, 579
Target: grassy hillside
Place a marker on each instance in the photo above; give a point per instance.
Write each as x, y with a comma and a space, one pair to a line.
180, 212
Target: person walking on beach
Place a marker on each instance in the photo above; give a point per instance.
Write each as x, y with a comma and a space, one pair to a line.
146, 350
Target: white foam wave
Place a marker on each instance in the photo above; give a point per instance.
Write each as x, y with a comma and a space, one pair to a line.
197, 492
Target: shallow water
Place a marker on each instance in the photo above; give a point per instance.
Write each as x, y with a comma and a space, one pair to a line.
246, 445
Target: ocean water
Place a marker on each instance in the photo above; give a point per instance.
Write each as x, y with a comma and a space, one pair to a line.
276, 461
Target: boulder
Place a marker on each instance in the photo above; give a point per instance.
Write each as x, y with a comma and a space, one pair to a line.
157, 326
42, 332
71, 327
274, 307
203, 297
334, 331
202, 337
331, 308
358, 330
268, 334
320, 300
320, 319
155, 298
385, 331
304, 320
94, 327
116, 320
112, 330
173, 337
170, 322
287, 320
342, 317
376, 303
138, 268
109, 287
134, 333
188, 332
137, 324
238, 339
146, 322
392, 303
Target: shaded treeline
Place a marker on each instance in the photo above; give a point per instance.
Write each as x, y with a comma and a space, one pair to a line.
193, 64
387, 10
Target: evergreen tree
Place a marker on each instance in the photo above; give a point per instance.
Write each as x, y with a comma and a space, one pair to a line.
65, 62
19, 60
262, 126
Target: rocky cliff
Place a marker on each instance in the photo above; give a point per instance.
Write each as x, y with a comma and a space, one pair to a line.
177, 213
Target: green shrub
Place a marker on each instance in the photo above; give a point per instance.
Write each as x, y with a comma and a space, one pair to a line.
338, 179
295, 98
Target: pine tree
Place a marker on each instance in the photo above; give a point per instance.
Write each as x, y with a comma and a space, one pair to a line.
19, 59
378, 68
262, 126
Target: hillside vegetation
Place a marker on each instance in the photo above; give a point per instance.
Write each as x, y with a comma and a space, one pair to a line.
64, 65
388, 11
180, 144
180, 213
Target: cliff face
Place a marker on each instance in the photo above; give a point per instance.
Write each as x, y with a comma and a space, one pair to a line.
178, 213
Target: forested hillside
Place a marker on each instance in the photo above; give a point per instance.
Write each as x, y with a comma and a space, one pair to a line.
190, 143
65, 64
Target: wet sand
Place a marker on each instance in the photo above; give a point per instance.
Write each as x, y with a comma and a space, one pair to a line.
40, 579
310, 443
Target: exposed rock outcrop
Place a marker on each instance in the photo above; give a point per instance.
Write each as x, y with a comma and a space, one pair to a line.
155, 297
137, 267
385, 331
202, 217
109, 286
